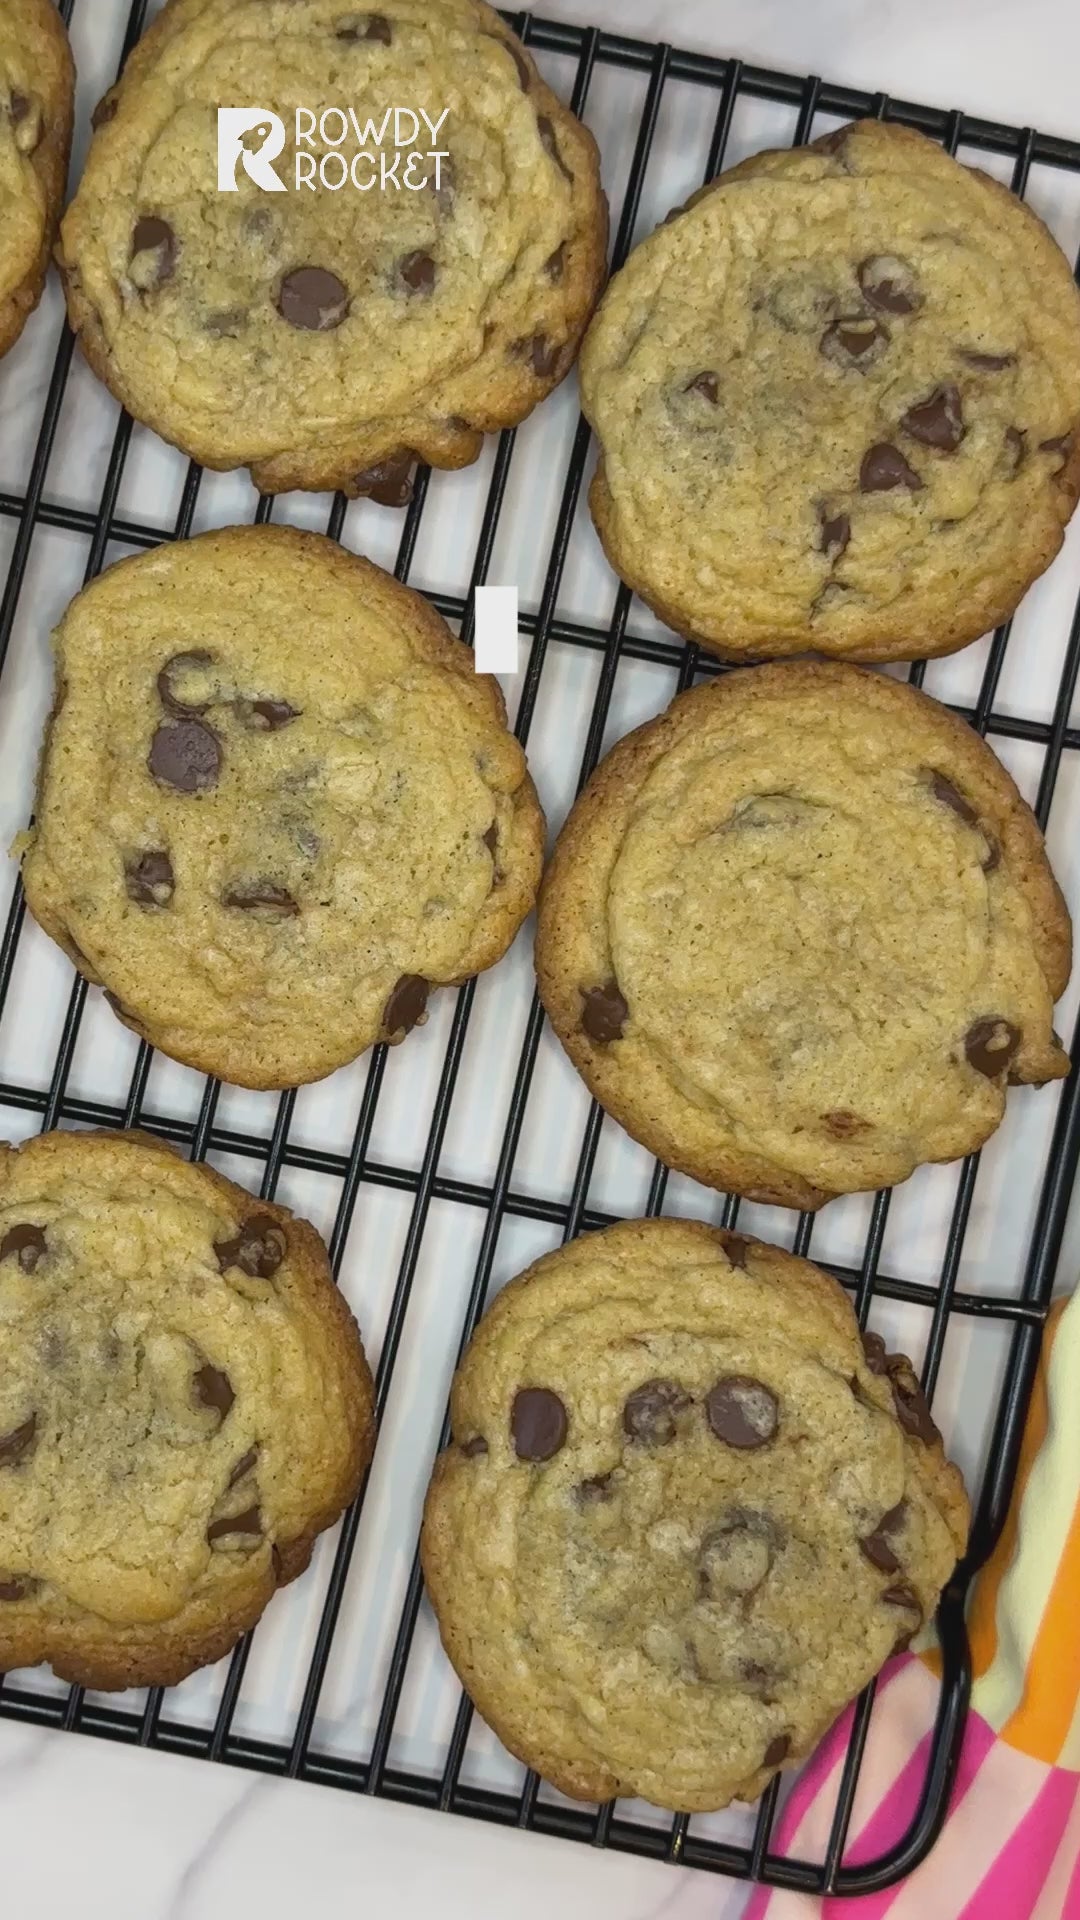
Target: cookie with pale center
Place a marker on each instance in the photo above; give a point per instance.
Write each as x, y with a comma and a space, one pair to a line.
330, 333
277, 806
800, 932
687, 1512
184, 1406
37, 82
838, 403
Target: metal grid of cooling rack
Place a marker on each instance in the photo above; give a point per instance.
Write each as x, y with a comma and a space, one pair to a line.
1019, 1314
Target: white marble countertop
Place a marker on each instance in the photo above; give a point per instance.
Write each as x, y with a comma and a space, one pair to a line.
93, 1829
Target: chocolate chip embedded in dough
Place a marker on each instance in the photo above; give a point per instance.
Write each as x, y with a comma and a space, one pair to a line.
777, 1750
243, 1466
267, 716
874, 1348
991, 1045
518, 58
313, 300
546, 130
741, 1411
889, 284
406, 1006
154, 251
172, 671
596, 1491
736, 1246
15, 1446
912, 1408
364, 26
185, 755
541, 353
213, 1389
845, 1125
416, 272
951, 797
737, 1555
27, 1243
706, 384
1015, 449
651, 1411
27, 119
389, 482
538, 1423
247, 1523
149, 878
937, 421
988, 362
263, 897
835, 534
555, 264
884, 467
473, 1449
604, 1012
856, 341
877, 1547
1061, 446
105, 109
258, 1249
16, 1588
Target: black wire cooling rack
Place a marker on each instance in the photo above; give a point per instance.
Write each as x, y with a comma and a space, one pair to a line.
1021, 1316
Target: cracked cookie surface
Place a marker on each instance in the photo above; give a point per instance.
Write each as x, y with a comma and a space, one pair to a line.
328, 338
184, 1406
687, 1513
799, 932
277, 805
36, 90
838, 403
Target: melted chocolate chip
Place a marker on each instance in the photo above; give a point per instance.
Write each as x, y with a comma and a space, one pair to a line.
741, 1411
888, 284
516, 55
937, 421
474, 1448
595, 1492
736, 1246
491, 838
884, 467
550, 145
27, 1243
179, 664
258, 1249
951, 797
248, 1522
261, 896
1015, 449
268, 716
604, 1012
843, 1124
406, 1005
416, 272
364, 26
835, 534
874, 1348
650, 1412
312, 299
909, 1399
990, 1046
854, 342
1060, 445
777, 1750
903, 1594
213, 1389
834, 142
541, 353
877, 1546
185, 754
148, 878
389, 482
555, 264
105, 110
153, 243
706, 384
537, 1423
988, 362
14, 1446
16, 1589
243, 1466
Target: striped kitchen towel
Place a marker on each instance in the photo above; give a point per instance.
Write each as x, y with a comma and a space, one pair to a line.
1010, 1849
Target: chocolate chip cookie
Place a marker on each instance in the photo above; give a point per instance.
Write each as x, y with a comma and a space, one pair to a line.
838, 404
37, 83
686, 1515
277, 805
800, 931
184, 1406
329, 331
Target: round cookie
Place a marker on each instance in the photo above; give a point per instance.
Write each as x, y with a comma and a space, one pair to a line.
184, 1406
799, 931
686, 1515
838, 403
37, 82
276, 804
329, 337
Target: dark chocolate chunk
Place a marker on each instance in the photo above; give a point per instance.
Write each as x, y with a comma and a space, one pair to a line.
856, 341
555, 264
937, 421
706, 384
1015, 449
650, 1411
884, 467
258, 1249
14, 1446
595, 1492
490, 838
550, 145
988, 362
243, 1466
473, 1448
406, 1005
888, 284
148, 877
389, 482
416, 272
990, 1045
16, 1588
742, 1411
248, 1522
835, 534
213, 1389
177, 665
155, 240
604, 1012
27, 1243
834, 142
185, 754
843, 1124
877, 1546
874, 1349
364, 26
537, 1423
901, 1594
777, 1750
261, 896
541, 353
312, 299
268, 716
736, 1246
951, 797
105, 109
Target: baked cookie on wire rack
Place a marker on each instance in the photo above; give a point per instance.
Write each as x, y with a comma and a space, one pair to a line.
37, 82
330, 333
838, 403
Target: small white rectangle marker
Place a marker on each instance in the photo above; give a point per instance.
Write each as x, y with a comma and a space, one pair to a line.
495, 634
